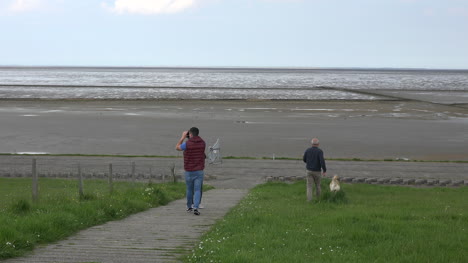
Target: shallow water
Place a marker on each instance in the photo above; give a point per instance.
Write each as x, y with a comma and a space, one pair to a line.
220, 83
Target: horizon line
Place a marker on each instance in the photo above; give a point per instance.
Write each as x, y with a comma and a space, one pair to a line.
237, 67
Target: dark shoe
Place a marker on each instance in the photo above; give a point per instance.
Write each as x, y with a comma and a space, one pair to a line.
195, 212
189, 210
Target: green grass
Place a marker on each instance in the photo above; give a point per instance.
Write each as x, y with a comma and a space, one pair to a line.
60, 211
366, 223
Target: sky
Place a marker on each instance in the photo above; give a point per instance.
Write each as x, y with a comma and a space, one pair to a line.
235, 33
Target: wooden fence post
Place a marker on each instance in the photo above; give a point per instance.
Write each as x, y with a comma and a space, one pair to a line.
174, 178
111, 183
80, 181
150, 181
35, 185
133, 171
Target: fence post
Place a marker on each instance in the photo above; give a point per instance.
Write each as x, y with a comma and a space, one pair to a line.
111, 183
35, 190
133, 171
174, 178
80, 181
150, 181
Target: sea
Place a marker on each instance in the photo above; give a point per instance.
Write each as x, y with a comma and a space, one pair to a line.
121, 83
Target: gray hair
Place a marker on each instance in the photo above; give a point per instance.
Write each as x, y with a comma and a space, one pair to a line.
315, 141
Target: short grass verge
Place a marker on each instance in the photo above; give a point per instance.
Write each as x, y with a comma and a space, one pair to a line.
60, 211
366, 223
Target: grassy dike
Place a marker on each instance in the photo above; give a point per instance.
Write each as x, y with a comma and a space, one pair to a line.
365, 223
60, 211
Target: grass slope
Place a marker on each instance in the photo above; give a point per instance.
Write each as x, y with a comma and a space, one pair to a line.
365, 223
60, 212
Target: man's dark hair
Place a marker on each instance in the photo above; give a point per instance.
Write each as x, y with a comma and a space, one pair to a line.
194, 131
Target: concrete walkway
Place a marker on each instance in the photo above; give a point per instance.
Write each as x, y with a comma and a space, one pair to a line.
232, 173
160, 234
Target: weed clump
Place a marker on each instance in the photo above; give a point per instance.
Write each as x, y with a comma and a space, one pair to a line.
88, 197
157, 195
161, 196
327, 196
338, 197
20, 207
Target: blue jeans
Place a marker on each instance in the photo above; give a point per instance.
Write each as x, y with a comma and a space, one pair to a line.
194, 182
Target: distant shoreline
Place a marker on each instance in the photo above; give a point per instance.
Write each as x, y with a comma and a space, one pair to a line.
233, 84
184, 100
240, 68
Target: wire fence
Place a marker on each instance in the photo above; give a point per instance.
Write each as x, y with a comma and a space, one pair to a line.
92, 168
87, 168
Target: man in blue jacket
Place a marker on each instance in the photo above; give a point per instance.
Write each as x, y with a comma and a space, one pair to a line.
315, 161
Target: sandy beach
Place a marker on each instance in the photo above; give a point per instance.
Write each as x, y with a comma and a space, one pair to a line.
347, 129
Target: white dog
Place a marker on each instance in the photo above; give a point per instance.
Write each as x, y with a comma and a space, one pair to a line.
335, 184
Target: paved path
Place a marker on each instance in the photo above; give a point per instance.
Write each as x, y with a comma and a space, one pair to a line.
157, 235
232, 173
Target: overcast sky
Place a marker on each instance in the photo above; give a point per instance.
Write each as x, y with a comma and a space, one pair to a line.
252, 33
